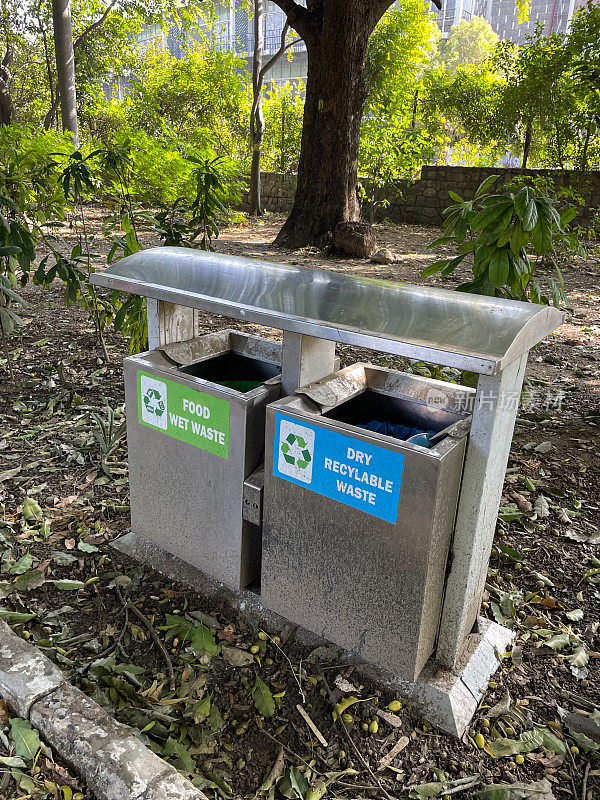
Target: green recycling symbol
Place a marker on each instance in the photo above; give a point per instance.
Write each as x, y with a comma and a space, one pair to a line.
287, 445
153, 402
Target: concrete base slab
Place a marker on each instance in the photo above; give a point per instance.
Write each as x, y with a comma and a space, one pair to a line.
26, 674
108, 755
116, 765
447, 699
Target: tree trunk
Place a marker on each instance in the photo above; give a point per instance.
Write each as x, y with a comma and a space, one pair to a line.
257, 120
7, 107
336, 91
526, 145
65, 66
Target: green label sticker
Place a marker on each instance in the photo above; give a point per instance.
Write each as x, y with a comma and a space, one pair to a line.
184, 413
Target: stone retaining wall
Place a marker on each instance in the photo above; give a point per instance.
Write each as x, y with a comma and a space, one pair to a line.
422, 201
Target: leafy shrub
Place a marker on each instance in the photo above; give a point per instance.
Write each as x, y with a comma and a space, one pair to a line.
158, 173
201, 100
283, 108
106, 118
28, 171
500, 231
569, 201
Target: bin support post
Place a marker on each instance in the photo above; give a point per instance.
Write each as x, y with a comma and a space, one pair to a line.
153, 324
305, 359
169, 322
494, 415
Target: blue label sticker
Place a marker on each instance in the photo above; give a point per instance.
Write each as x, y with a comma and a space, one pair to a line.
349, 470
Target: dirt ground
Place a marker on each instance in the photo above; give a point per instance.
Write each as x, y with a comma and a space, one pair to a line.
63, 587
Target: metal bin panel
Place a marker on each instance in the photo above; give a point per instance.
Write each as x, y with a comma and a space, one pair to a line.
185, 499
372, 586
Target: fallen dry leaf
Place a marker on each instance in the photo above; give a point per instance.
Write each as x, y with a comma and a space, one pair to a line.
66, 501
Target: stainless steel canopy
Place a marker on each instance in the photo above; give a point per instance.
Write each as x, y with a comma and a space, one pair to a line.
466, 331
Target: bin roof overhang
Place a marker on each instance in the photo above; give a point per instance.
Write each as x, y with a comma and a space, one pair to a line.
455, 329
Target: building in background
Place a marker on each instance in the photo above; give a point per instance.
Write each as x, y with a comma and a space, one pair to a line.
233, 29
555, 16
454, 11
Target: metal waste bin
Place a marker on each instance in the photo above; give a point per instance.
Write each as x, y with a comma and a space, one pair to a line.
357, 523
195, 432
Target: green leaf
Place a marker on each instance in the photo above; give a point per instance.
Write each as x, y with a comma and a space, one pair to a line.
452, 265
32, 510
87, 548
530, 217
541, 235
12, 761
579, 657
28, 580
540, 790
427, 790
298, 782
518, 239
499, 267
201, 710
68, 585
441, 240
584, 742
489, 215
526, 743
513, 554
521, 203
175, 748
177, 624
509, 513
214, 719
317, 791
26, 739
485, 185
558, 641
530, 740
203, 640
552, 742
16, 616
293, 784
437, 266
575, 615
263, 699
567, 215
22, 565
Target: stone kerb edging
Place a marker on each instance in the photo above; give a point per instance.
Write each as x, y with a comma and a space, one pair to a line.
106, 754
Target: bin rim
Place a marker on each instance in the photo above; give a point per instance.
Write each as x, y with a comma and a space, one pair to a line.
460, 430
465, 331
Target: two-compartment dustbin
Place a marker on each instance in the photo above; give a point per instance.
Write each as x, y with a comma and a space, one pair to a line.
358, 522
195, 432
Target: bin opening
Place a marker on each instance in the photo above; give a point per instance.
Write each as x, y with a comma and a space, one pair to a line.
393, 416
234, 371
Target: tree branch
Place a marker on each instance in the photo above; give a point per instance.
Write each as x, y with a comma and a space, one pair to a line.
299, 18
282, 48
94, 25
